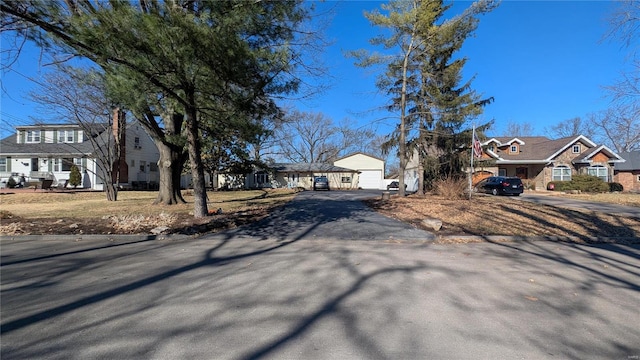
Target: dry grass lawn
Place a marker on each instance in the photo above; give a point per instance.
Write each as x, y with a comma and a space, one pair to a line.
627, 199
72, 212
510, 216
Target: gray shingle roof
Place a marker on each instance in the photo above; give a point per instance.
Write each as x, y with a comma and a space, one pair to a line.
9, 146
632, 161
309, 167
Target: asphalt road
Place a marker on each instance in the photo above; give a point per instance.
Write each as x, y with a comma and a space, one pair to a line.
293, 294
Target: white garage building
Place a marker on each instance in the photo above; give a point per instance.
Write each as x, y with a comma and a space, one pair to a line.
371, 169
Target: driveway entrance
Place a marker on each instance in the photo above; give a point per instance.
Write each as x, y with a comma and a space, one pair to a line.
331, 215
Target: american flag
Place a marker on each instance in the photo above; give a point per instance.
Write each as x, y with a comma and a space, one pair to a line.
477, 146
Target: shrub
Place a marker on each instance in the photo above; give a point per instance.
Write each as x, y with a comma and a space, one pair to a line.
614, 186
450, 187
75, 178
11, 183
584, 183
588, 183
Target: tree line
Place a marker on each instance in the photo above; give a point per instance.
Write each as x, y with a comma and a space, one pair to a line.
203, 77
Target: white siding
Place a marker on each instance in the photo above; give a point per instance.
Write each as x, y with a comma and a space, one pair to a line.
370, 179
371, 168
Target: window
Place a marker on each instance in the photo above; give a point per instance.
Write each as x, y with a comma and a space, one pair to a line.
3, 164
638, 178
346, 179
33, 136
136, 143
153, 167
65, 136
514, 149
66, 164
561, 173
78, 163
599, 171
576, 149
502, 172
143, 165
492, 148
262, 178
62, 164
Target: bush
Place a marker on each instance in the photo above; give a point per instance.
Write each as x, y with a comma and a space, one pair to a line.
75, 178
588, 183
614, 186
583, 183
451, 188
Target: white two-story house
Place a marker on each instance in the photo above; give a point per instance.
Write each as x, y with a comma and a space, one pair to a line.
48, 151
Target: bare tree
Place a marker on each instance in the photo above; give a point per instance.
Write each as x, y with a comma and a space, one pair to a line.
77, 96
518, 129
620, 124
620, 127
307, 137
571, 127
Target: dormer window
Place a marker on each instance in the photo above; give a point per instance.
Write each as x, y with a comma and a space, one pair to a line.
576, 149
33, 136
513, 149
492, 148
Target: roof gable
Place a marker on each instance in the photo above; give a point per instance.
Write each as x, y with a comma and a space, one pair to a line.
570, 141
613, 157
310, 167
359, 153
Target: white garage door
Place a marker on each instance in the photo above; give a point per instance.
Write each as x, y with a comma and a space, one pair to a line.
370, 179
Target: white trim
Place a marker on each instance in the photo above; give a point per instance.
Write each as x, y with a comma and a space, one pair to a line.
571, 143
490, 141
520, 142
605, 148
520, 162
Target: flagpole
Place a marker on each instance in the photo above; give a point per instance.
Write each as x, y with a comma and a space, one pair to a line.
473, 139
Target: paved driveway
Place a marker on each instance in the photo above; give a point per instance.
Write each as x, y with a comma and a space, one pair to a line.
628, 211
331, 215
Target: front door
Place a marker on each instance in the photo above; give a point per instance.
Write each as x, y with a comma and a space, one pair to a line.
522, 173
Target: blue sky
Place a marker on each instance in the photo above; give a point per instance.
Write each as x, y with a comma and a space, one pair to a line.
542, 61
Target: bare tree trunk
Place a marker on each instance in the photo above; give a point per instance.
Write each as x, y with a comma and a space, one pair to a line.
112, 192
170, 169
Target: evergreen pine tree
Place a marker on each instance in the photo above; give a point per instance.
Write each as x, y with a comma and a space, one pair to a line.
75, 178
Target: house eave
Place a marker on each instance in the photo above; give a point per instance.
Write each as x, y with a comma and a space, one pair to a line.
520, 162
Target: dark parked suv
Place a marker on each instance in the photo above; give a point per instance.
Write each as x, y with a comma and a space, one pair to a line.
501, 185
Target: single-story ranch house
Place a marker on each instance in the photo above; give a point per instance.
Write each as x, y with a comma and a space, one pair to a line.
354, 171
